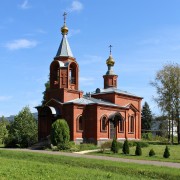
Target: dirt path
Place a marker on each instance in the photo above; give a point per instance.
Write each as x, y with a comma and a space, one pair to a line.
156, 163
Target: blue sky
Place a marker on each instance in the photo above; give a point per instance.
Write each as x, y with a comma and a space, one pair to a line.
145, 35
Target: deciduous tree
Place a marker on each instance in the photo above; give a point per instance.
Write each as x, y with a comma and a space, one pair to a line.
167, 84
23, 130
3, 129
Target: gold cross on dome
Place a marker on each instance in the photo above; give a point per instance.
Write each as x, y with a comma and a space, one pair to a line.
65, 14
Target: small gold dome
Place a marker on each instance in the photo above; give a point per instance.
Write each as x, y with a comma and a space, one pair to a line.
64, 30
110, 61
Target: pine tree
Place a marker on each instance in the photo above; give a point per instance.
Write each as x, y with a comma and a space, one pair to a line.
138, 151
166, 152
146, 117
114, 146
125, 147
151, 153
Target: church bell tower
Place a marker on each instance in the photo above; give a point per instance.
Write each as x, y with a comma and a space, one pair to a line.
64, 72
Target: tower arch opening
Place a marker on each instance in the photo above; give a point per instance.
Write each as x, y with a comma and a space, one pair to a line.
54, 75
73, 76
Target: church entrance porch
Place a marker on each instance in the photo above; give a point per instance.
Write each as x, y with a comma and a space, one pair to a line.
114, 120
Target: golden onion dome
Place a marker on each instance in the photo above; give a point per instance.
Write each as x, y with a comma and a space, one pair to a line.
64, 30
110, 61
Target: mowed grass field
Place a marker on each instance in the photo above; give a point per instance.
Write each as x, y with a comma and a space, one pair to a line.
159, 150
25, 165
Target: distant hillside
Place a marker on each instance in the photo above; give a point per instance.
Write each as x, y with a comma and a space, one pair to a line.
11, 118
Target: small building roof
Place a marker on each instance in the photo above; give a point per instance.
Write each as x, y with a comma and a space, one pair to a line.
114, 90
89, 100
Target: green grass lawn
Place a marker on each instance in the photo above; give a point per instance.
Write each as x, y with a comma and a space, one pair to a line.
25, 165
1, 145
159, 150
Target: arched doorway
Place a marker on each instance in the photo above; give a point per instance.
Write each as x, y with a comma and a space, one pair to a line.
47, 116
114, 119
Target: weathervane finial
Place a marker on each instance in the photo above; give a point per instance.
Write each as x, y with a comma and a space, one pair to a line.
110, 47
65, 14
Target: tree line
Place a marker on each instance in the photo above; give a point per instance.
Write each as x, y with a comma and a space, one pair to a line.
21, 132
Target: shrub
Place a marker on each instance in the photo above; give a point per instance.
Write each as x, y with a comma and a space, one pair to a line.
73, 147
138, 151
64, 146
147, 136
144, 136
114, 146
60, 134
106, 145
166, 152
157, 143
151, 153
161, 139
126, 147
141, 143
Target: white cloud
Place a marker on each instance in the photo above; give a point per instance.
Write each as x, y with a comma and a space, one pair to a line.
5, 98
76, 6
21, 44
24, 5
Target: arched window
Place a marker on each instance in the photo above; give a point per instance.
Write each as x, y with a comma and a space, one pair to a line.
121, 125
104, 123
131, 124
80, 123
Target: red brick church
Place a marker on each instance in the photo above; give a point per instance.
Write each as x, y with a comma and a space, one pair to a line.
102, 115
